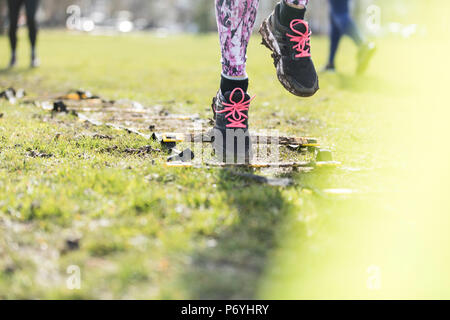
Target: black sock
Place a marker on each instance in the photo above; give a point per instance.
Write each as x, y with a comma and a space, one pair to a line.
231, 84
287, 13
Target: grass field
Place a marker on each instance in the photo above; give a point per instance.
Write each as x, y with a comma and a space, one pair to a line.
150, 232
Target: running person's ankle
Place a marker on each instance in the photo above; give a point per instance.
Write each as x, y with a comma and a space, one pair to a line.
291, 11
13, 60
229, 83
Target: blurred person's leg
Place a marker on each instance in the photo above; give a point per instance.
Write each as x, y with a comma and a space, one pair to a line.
340, 14
341, 17
13, 16
288, 36
31, 7
335, 38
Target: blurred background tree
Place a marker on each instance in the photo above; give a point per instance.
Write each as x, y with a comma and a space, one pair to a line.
204, 16
191, 15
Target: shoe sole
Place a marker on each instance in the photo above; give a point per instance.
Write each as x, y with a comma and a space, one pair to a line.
269, 40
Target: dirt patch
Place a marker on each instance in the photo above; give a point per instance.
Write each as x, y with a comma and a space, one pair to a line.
37, 154
102, 136
141, 151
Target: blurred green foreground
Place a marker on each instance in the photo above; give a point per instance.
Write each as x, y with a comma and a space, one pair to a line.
150, 232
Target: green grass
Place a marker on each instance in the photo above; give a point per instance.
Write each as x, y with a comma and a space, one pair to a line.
151, 232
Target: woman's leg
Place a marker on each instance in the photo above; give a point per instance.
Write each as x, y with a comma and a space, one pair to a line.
31, 7
13, 15
231, 139
340, 14
340, 11
235, 21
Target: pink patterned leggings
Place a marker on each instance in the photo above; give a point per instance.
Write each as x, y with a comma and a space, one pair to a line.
235, 21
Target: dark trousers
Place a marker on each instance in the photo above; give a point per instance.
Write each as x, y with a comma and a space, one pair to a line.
341, 24
14, 7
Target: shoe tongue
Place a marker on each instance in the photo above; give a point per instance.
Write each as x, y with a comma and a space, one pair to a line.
237, 96
301, 27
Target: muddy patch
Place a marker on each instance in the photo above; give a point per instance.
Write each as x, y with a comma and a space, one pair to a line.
38, 154
141, 151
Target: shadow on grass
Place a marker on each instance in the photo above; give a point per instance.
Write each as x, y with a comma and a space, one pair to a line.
231, 269
11, 77
15, 71
359, 84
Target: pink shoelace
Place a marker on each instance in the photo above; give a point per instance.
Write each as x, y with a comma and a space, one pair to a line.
235, 110
302, 39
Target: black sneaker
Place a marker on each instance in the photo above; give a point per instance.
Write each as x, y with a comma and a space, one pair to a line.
230, 135
290, 48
